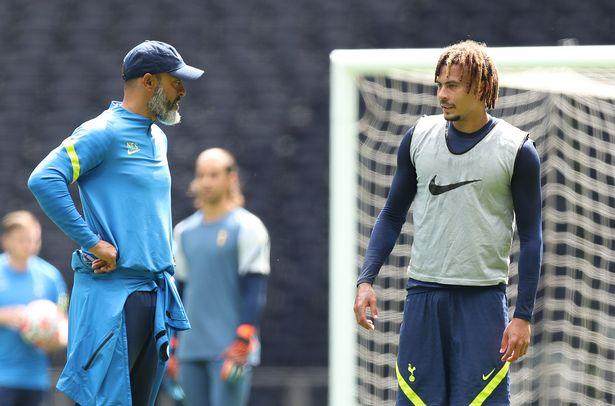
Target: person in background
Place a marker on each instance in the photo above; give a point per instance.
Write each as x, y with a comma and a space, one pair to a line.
24, 278
222, 259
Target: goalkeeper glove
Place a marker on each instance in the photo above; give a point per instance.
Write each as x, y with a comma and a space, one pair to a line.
236, 354
173, 363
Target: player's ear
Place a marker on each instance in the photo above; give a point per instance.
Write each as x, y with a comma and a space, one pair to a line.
192, 188
37, 236
149, 81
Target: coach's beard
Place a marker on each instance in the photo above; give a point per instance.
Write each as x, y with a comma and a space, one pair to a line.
167, 112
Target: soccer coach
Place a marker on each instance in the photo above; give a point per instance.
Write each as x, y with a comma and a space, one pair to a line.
123, 304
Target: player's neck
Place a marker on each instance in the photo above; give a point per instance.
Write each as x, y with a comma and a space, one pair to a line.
471, 123
18, 264
213, 212
137, 106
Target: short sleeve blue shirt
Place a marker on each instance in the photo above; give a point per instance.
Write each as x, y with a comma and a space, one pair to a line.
211, 257
25, 366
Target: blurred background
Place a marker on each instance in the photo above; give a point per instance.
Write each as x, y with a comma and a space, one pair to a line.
265, 97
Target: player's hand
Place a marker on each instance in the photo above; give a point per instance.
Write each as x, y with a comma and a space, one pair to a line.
366, 297
515, 340
13, 316
173, 367
240, 348
236, 355
231, 371
173, 362
106, 255
57, 342
50, 346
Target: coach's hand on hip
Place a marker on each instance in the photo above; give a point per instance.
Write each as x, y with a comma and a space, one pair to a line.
366, 297
515, 340
106, 254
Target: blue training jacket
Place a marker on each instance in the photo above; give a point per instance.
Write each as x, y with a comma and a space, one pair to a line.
97, 366
119, 162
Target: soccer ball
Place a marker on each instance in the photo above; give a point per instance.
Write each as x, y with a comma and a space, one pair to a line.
43, 323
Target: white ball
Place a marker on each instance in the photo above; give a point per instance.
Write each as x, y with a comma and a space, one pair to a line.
42, 322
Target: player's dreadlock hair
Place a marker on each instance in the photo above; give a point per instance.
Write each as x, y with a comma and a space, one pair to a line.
472, 57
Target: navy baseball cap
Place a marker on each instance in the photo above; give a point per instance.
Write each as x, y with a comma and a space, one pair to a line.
157, 57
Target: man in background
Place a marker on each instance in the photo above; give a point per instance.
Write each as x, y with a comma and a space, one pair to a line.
123, 304
24, 278
222, 255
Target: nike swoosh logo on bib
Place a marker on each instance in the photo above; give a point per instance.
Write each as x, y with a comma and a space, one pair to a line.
439, 189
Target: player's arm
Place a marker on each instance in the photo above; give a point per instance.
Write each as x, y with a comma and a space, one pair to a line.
253, 288
527, 201
12, 316
56, 292
50, 180
386, 231
181, 263
60, 297
254, 268
180, 278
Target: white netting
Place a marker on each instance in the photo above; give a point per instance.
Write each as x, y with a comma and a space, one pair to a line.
572, 356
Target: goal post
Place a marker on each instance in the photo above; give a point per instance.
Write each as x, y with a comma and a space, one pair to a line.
517, 66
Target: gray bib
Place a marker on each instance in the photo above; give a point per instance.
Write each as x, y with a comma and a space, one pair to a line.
463, 210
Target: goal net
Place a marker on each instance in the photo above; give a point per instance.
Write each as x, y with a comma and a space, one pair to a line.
568, 107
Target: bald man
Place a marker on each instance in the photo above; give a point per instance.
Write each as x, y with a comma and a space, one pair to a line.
222, 255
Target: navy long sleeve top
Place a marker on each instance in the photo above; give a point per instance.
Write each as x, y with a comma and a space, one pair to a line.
527, 202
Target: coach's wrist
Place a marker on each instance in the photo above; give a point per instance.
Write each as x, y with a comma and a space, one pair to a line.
90, 243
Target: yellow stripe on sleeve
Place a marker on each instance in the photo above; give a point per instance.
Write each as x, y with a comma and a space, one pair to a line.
410, 394
74, 159
493, 383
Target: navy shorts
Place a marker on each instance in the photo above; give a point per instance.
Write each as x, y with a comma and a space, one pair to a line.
139, 310
449, 347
